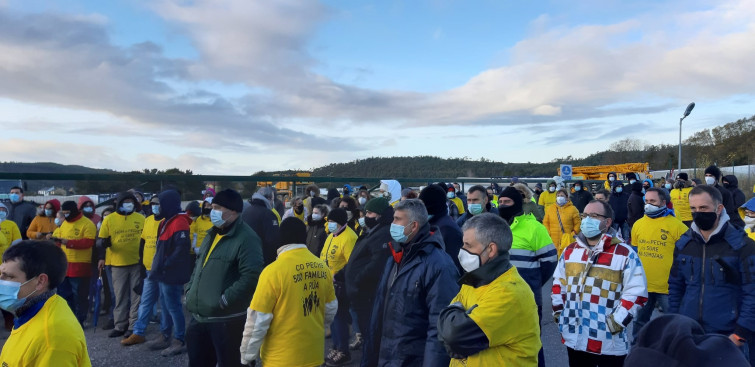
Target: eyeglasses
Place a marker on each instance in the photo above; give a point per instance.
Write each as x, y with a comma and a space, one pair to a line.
592, 215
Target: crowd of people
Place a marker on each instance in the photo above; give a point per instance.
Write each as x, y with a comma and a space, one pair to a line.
420, 277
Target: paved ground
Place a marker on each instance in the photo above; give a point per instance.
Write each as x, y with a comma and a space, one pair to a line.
108, 352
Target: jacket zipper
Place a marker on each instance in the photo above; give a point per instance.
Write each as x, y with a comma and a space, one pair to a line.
702, 288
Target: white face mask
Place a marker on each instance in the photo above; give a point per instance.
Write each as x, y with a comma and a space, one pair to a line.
552, 189
362, 200
316, 216
349, 215
710, 180
361, 222
561, 200
469, 261
750, 221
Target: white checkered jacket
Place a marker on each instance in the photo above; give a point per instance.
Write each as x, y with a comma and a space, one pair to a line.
596, 294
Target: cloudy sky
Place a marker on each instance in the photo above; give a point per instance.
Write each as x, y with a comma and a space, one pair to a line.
237, 86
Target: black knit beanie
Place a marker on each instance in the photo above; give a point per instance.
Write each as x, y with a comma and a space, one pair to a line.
339, 216
434, 198
229, 199
292, 231
715, 171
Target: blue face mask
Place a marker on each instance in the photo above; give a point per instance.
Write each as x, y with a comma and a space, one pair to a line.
3, 215
216, 217
475, 209
450, 195
9, 300
88, 210
397, 233
156, 209
619, 189
127, 207
577, 188
59, 222
48, 212
668, 186
430, 216
332, 227
590, 227
14, 198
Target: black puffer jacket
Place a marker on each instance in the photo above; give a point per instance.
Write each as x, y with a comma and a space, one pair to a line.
636, 203
367, 261
265, 225
316, 236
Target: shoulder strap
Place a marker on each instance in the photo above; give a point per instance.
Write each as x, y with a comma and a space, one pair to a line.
559, 220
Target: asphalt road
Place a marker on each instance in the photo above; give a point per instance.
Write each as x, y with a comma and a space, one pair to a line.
108, 352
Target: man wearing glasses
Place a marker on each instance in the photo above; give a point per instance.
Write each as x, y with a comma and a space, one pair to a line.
598, 287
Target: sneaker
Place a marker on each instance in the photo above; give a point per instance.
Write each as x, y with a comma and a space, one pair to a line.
110, 325
176, 347
133, 339
357, 343
160, 343
116, 333
331, 354
338, 359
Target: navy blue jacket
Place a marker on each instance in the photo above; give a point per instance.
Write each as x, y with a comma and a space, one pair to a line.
173, 262
714, 282
618, 202
452, 236
265, 224
411, 295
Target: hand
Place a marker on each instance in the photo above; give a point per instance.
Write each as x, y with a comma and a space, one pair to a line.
39, 235
100, 265
613, 326
48, 236
556, 316
736, 340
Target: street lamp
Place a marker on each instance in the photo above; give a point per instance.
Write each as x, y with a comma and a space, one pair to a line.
686, 113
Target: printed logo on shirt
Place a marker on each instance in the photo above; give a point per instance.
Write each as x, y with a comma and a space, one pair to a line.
76, 232
311, 303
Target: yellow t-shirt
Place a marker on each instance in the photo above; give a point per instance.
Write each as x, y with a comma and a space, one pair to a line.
680, 199
217, 239
198, 230
295, 289
149, 235
53, 337
337, 250
125, 232
80, 229
10, 233
655, 240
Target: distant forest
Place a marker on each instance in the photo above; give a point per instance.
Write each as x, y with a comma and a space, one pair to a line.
729, 144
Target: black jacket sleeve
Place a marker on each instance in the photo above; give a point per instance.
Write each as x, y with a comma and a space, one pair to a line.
459, 334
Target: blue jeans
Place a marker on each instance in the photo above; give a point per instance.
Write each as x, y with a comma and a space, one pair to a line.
172, 316
150, 295
644, 314
339, 329
109, 272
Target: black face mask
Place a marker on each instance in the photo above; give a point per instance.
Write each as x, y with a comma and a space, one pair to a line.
705, 220
370, 222
206, 211
509, 212
298, 209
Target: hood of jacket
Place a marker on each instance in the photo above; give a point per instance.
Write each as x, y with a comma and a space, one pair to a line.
170, 204
733, 181
525, 190
614, 175
616, 184
348, 189
124, 196
394, 188
56, 205
85, 199
258, 197
427, 237
637, 187
649, 182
